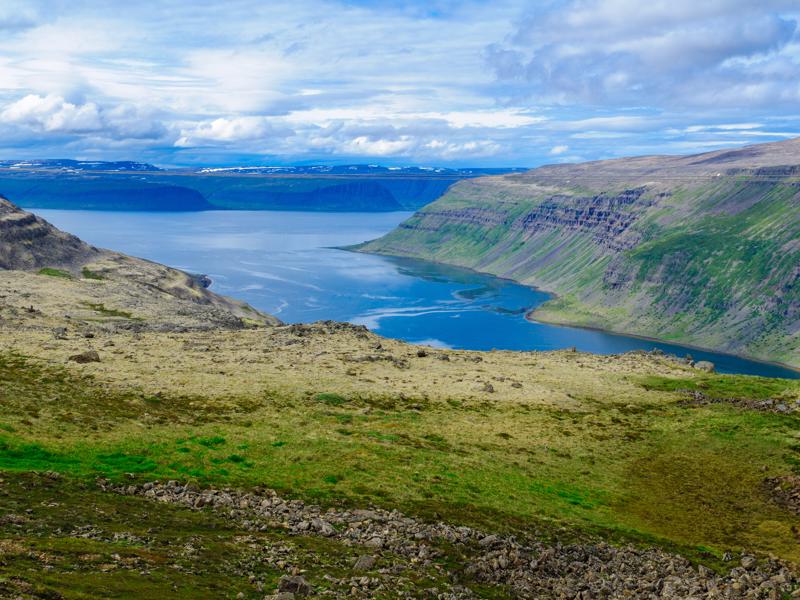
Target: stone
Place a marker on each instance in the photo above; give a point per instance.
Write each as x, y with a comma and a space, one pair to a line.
89, 356
294, 584
364, 563
748, 561
704, 365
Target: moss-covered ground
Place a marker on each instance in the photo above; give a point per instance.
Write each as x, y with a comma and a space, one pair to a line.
567, 444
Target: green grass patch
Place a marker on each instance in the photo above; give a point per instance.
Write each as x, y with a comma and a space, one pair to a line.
51, 272
330, 399
605, 463
89, 274
110, 312
723, 386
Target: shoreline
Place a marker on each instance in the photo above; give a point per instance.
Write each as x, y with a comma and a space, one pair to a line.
529, 317
529, 312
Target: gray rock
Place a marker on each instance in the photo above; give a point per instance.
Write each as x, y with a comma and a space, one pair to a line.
294, 584
89, 356
704, 365
364, 563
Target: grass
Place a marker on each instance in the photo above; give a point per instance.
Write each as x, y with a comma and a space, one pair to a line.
722, 386
110, 312
50, 272
89, 274
627, 460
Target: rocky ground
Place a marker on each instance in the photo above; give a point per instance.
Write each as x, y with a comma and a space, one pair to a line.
390, 542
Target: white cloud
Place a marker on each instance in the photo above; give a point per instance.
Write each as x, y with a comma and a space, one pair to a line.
52, 113
364, 146
507, 82
228, 130
672, 53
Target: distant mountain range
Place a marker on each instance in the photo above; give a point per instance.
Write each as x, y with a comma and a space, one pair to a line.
132, 186
65, 164
701, 250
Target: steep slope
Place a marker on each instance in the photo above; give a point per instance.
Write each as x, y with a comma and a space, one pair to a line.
28, 242
56, 268
703, 249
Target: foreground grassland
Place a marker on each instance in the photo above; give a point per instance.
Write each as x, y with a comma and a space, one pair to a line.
555, 442
98, 381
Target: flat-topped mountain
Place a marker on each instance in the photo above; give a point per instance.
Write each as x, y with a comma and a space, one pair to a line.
56, 268
129, 186
701, 249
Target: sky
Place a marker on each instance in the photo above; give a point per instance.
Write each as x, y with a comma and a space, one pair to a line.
428, 82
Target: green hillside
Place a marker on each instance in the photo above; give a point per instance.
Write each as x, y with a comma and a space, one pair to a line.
701, 250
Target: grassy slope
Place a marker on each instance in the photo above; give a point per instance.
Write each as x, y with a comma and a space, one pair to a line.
702, 274
589, 443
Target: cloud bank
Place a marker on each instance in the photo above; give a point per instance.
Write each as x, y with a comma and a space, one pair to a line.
445, 82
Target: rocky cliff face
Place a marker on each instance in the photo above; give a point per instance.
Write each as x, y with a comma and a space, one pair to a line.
28, 242
67, 273
701, 249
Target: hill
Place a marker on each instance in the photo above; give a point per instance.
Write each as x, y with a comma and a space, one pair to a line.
60, 272
129, 186
701, 250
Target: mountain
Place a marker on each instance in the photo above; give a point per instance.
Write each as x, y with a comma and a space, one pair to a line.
356, 170
701, 250
65, 164
66, 184
56, 269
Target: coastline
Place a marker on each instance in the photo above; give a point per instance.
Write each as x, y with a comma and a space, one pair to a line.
529, 313
529, 316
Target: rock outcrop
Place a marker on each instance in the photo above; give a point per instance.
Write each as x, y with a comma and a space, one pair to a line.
126, 291
28, 242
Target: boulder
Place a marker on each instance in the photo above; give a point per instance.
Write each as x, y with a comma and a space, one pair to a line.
705, 365
295, 584
89, 356
364, 563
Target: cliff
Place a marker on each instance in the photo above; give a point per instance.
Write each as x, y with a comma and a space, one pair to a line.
702, 250
57, 271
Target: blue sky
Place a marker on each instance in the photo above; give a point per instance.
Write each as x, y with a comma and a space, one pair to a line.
431, 82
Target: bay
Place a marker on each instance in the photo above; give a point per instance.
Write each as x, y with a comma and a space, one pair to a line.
288, 264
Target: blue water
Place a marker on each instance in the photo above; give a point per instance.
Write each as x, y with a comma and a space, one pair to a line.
285, 263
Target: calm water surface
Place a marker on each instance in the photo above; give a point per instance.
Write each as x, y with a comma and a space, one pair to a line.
284, 263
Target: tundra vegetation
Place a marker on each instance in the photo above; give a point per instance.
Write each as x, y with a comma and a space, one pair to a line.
157, 439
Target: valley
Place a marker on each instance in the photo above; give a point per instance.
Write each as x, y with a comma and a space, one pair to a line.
321, 459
